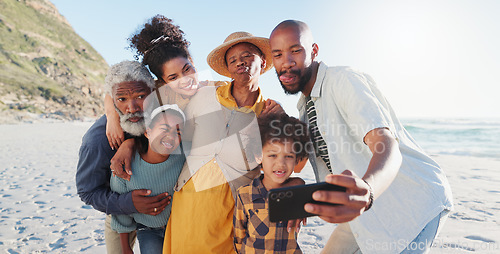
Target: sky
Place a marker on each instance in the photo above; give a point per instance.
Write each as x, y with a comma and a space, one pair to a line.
430, 58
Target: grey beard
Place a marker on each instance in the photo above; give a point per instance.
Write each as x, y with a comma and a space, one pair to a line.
134, 129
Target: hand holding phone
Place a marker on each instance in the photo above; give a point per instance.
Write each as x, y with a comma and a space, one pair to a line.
288, 203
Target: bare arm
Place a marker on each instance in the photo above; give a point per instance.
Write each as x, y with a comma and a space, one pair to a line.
125, 243
120, 163
385, 162
382, 170
114, 131
143, 202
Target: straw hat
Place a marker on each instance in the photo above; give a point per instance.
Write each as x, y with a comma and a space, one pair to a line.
216, 58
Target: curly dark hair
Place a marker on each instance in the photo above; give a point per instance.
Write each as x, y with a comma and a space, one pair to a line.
158, 42
285, 128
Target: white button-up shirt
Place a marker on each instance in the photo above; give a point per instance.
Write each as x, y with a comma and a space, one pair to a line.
229, 137
349, 105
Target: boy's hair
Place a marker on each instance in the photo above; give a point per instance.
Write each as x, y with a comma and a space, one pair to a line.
284, 128
127, 71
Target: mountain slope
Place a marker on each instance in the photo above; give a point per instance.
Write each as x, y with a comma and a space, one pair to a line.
45, 67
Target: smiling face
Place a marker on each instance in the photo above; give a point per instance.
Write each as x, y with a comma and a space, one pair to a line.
244, 62
278, 161
180, 75
165, 134
293, 54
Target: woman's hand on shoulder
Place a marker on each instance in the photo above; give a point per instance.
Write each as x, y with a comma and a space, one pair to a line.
272, 107
114, 133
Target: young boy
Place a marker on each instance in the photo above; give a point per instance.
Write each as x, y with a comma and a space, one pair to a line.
157, 166
284, 142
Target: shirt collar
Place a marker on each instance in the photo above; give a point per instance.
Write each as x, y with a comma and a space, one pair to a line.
227, 100
316, 90
258, 189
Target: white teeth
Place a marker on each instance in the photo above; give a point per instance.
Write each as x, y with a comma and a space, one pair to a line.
166, 144
190, 86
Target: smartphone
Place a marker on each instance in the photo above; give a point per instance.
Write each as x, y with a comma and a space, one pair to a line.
288, 203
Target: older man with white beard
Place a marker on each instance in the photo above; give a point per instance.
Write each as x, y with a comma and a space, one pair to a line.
128, 83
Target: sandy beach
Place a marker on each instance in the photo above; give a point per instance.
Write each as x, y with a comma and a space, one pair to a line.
40, 211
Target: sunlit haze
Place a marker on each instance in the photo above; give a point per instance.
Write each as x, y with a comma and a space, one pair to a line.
429, 58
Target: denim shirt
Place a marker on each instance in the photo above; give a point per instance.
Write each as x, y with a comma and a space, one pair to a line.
93, 173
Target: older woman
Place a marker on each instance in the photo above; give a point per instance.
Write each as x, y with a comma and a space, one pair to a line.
224, 134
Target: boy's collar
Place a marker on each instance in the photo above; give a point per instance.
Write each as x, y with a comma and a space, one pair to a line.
259, 186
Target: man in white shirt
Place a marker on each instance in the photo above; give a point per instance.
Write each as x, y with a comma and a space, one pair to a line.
396, 195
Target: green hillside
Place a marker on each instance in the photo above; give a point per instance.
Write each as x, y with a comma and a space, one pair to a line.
45, 67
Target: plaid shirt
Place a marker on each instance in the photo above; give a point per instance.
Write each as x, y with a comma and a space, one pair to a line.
253, 232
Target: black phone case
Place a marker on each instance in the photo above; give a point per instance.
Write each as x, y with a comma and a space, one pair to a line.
288, 203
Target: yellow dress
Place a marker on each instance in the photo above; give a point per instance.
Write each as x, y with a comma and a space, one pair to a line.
209, 211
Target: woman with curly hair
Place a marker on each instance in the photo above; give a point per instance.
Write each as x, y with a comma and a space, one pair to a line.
164, 50
220, 123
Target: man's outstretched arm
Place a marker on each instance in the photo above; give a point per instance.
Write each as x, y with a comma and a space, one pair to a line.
383, 168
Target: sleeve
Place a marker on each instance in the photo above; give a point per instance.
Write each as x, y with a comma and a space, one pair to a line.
361, 104
122, 223
189, 125
240, 221
118, 185
92, 181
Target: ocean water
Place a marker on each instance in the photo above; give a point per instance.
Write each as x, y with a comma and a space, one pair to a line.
459, 136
